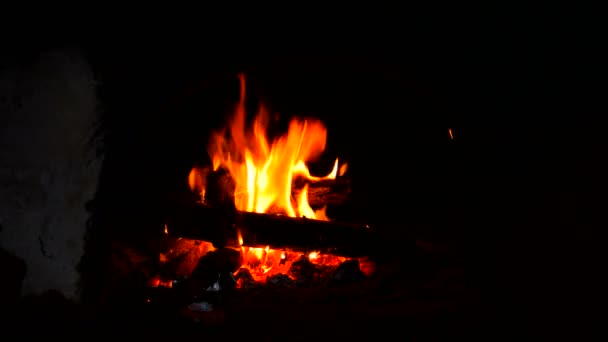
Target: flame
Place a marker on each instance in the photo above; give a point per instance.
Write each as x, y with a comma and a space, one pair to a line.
343, 169
264, 169
239, 237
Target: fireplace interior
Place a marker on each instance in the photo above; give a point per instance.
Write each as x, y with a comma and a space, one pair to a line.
414, 234
391, 141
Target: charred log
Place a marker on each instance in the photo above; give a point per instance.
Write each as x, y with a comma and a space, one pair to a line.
223, 260
323, 192
217, 268
304, 271
261, 230
219, 188
219, 196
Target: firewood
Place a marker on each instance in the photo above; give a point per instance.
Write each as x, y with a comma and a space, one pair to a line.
183, 264
323, 192
219, 188
260, 230
220, 261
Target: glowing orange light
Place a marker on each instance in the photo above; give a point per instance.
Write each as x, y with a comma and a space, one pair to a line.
240, 237
264, 168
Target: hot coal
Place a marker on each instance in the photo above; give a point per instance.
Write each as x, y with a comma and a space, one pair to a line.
182, 259
219, 262
244, 278
303, 271
195, 269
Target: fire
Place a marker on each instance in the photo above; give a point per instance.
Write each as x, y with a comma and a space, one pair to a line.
264, 170
260, 263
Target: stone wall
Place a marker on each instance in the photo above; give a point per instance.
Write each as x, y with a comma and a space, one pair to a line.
49, 165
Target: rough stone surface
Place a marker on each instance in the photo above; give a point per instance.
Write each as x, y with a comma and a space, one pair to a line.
49, 165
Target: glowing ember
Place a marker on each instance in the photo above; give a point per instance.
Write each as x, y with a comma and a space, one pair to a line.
265, 262
264, 170
158, 282
262, 263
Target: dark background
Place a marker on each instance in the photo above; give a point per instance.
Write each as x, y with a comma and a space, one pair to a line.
520, 187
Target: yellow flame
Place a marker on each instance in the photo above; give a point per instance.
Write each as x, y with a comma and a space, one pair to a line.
264, 169
239, 237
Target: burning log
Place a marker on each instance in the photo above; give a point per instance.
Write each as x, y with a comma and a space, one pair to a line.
182, 259
324, 192
218, 267
219, 188
304, 271
260, 230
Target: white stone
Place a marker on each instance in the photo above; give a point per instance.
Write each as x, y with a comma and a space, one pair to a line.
48, 166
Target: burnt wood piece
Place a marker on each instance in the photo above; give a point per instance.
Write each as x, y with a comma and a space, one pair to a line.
220, 188
323, 192
260, 230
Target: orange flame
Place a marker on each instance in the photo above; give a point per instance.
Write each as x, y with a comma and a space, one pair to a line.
264, 170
